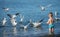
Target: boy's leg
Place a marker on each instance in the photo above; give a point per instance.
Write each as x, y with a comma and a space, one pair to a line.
52, 29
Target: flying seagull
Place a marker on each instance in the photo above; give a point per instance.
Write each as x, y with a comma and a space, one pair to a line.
4, 21
13, 21
56, 14
12, 18
6, 9
21, 18
43, 8
25, 26
36, 24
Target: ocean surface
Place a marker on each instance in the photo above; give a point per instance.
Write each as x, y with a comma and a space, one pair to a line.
30, 9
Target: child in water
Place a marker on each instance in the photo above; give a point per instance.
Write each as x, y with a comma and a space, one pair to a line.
50, 22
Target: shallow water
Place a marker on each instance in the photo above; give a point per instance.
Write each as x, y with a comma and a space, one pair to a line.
31, 10
30, 32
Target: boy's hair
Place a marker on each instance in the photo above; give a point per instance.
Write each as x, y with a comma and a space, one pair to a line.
51, 14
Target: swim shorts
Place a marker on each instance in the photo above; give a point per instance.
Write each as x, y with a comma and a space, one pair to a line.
51, 26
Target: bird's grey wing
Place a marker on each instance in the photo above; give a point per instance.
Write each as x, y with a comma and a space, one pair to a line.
3, 8
49, 5
40, 6
17, 13
28, 24
41, 20
21, 25
9, 15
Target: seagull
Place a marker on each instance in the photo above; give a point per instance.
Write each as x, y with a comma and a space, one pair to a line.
4, 21
6, 9
56, 14
43, 8
25, 26
12, 18
36, 24
13, 21
21, 18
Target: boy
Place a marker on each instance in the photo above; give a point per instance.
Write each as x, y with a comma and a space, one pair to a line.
50, 22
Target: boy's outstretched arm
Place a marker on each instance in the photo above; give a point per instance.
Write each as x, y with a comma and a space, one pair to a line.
48, 21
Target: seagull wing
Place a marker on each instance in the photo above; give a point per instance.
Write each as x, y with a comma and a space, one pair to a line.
21, 16
41, 20
22, 25
17, 13
9, 15
28, 24
49, 5
40, 6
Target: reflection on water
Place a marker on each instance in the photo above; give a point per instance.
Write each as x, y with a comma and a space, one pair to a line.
42, 30
14, 31
6, 31
17, 31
